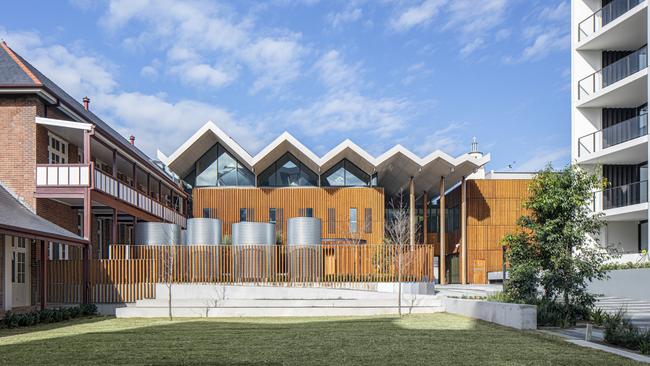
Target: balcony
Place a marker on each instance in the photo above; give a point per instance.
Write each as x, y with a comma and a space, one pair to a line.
62, 175
120, 190
626, 202
623, 143
621, 84
621, 24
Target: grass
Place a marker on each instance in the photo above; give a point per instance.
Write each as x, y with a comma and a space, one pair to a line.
412, 340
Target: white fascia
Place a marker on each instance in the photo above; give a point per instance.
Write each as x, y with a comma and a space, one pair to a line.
210, 127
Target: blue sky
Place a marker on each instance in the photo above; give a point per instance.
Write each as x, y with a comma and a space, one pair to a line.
427, 74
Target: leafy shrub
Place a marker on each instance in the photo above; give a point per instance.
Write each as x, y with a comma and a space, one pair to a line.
88, 309
598, 316
13, 320
621, 332
499, 297
629, 265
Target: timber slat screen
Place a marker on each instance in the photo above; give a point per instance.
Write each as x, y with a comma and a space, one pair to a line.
133, 271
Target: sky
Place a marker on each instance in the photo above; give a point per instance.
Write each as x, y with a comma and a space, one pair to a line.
426, 74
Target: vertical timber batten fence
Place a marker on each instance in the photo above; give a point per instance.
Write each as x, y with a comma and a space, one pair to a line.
132, 272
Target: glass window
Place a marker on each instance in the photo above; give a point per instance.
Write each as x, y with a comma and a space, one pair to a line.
244, 176
217, 167
272, 215
309, 212
288, 172
242, 214
643, 237
206, 168
353, 220
227, 169
346, 174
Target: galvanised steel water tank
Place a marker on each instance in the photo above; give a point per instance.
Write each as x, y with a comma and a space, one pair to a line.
157, 233
304, 249
254, 252
203, 231
302, 231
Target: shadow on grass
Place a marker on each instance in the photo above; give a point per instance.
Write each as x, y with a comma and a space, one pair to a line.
7, 332
412, 340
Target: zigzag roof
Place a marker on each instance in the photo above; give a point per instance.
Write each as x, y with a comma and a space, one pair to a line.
394, 167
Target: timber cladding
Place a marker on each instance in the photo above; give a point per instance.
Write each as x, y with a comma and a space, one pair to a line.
493, 207
331, 205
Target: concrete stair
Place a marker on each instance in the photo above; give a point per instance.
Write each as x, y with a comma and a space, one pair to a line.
261, 301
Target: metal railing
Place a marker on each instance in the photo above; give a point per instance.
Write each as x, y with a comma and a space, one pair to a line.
62, 175
621, 196
122, 191
603, 16
608, 75
611, 136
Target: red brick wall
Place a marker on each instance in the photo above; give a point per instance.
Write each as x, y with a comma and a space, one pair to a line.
18, 141
57, 213
2, 273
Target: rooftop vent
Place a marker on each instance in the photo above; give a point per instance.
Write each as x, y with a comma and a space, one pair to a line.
474, 151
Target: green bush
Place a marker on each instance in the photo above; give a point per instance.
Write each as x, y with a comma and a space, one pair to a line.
13, 320
598, 316
620, 331
629, 265
499, 297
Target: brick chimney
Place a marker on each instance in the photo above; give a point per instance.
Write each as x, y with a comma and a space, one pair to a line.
86, 101
132, 139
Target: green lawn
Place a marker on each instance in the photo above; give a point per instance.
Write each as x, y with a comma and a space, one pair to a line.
413, 340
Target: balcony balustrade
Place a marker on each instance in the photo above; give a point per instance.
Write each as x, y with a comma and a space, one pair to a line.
603, 16
610, 74
124, 192
611, 136
621, 196
62, 175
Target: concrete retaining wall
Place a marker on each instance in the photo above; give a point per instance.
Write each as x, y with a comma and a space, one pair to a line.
626, 283
510, 315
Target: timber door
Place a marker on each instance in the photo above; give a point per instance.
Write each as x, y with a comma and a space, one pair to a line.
20, 272
479, 272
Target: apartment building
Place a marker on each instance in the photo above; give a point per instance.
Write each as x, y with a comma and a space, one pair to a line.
71, 168
609, 134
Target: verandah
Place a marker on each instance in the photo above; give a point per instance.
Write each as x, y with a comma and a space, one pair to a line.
132, 271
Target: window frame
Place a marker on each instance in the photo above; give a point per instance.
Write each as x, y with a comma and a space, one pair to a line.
61, 152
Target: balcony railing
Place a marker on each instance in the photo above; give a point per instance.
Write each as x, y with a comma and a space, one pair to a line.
621, 196
608, 75
611, 136
603, 16
122, 191
62, 175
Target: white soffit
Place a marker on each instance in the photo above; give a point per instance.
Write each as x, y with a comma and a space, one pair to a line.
394, 167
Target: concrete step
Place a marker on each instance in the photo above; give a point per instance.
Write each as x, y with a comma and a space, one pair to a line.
212, 291
291, 303
161, 312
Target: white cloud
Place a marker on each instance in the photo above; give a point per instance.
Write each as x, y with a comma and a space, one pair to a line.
472, 17
540, 159
417, 15
334, 72
276, 61
196, 33
149, 71
204, 74
546, 42
349, 15
447, 139
474, 45
546, 33
151, 118
349, 111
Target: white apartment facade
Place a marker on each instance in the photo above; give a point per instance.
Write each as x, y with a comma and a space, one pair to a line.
609, 106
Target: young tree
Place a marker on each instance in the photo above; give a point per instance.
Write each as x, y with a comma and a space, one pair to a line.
398, 234
554, 250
